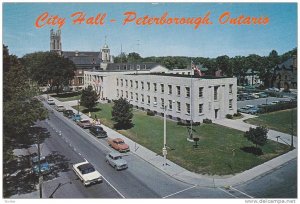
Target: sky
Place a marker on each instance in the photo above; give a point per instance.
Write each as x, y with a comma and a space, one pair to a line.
22, 36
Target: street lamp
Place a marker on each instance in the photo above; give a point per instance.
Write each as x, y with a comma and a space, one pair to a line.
78, 106
164, 149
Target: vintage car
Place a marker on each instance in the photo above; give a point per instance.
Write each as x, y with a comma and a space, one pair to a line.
98, 131
60, 108
76, 117
84, 123
115, 160
44, 165
50, 101
68, 113
118, 144
87, 173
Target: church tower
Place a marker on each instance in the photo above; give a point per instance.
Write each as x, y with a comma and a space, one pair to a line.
105, 53
55, 41
105, 56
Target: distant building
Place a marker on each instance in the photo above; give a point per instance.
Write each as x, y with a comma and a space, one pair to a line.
252, 78
83, 60
285, 74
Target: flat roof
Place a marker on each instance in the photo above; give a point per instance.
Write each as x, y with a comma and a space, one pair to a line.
182, 75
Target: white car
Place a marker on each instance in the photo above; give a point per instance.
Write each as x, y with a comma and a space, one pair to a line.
60, 108
115, 160
50, 101
87, 173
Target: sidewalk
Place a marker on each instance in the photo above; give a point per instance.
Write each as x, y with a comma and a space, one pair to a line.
186, 176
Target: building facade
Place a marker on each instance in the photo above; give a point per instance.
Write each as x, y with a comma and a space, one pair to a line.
285, 74
184, 97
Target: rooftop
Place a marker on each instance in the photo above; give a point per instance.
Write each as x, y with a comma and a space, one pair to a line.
181, 75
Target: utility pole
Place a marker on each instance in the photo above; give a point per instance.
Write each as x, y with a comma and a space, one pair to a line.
39, 163
292, 133
164, 150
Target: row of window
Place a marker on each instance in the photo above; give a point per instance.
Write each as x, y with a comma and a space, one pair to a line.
170, 90
162, 102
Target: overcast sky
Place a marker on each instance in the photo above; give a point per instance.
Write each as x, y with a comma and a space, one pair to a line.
22, 37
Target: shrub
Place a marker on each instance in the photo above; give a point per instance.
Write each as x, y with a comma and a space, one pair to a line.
238, 114
188, 123
229, 116
150, 113
207, 121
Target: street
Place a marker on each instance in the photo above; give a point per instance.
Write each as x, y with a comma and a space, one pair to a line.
70, 144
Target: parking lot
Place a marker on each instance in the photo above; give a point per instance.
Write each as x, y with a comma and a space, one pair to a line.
260, 101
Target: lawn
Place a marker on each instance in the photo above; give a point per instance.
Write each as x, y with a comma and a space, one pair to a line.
280, 121
218, 153
68, 96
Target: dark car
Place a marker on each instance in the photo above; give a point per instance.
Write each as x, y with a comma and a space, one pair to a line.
98, 131
68, 113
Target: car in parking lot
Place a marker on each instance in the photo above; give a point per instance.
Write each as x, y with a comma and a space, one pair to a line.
68, 113
253, 111
60, 108
115, 160
50, 101
87, 173
84, 123
98, 131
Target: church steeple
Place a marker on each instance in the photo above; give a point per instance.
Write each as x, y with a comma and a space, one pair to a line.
105, 52
55, 41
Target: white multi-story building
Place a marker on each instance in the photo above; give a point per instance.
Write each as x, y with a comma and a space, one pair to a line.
184, 98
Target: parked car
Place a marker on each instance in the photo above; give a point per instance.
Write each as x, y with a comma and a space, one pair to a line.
263, 95
115, 160
253, 111
44, 165
118, 144
50, 101
76, 117
274, 102
98, 131
68, 113
84, 123
87, 173
60, 108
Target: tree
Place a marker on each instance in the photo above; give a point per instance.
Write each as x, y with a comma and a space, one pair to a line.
49, 68
257, 135
89, 98
21, 109
134, 57
122, 113
223, 63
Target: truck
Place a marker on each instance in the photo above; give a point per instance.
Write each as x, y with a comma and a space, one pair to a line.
118, 144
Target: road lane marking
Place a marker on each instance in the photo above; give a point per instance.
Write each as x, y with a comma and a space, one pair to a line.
85, 159
227, 192
180, 191
241, 192
113, 187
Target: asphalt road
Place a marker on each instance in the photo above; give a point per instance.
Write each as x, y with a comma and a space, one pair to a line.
70, 144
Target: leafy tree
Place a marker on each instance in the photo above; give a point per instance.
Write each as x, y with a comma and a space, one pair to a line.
223, 63
89, 98
121, 58
134, 57
49, 68
122, 113
257, 135
21, 109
